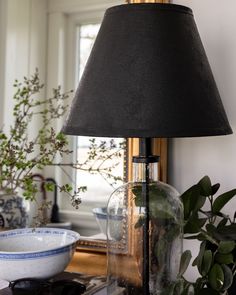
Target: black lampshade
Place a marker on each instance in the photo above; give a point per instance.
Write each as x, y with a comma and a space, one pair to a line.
147, 76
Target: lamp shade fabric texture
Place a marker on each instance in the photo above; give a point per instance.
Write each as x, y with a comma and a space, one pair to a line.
147, 76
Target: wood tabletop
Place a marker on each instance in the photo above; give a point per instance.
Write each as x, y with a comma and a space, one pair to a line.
88, 263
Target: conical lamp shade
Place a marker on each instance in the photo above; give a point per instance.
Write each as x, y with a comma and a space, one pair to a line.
147, 76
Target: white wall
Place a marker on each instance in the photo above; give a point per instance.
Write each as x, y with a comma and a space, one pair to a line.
23, 46
190, 159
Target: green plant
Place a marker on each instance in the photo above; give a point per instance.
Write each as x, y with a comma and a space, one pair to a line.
22, 152
216, 231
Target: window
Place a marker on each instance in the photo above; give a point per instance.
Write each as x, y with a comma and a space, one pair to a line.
100, 184
87, 35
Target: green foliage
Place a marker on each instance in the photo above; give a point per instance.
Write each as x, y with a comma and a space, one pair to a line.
163, 210
185, 260
216, 260
24, 150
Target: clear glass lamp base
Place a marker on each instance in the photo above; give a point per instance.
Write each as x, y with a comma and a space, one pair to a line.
126, 219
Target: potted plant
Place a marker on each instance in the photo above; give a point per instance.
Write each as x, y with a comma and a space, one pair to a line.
23, 152
216, 231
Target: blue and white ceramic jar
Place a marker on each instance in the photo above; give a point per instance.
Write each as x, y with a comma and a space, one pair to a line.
12, 211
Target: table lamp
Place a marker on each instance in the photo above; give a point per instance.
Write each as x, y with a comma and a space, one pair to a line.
147, 76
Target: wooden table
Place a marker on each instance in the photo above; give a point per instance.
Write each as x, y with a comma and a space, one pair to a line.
90, 263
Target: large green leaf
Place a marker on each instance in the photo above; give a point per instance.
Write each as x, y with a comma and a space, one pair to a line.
224, 258
205, 185
226, 247
222, 200
228, 277
192, 200
228, 232
216, 277
200, 255
206, 262
194, 224
184, 262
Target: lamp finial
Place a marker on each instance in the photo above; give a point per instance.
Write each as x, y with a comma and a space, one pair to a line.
147, 1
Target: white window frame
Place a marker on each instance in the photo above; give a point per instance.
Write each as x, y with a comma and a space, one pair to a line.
64, 17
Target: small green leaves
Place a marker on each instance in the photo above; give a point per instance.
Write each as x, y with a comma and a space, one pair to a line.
22, 155
217, 231
49, 186
184, 263
158, 197
66, 188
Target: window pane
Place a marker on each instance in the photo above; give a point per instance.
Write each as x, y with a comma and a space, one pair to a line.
99, 185
88, 35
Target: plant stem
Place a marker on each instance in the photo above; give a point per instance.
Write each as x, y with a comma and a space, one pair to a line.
209, 238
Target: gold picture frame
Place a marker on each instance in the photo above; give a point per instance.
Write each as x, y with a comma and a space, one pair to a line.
126, 244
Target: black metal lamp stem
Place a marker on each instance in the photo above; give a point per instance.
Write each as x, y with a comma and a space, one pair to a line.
145, 195
145, 151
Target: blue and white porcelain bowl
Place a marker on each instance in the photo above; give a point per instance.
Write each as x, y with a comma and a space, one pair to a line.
116, 222
35, 253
